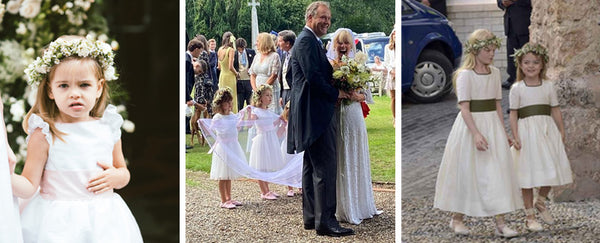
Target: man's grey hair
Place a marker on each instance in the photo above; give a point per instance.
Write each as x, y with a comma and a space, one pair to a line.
288, 36
311, 10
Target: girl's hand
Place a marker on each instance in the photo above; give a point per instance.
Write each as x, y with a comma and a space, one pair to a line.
106, 180
480, 142
517, 144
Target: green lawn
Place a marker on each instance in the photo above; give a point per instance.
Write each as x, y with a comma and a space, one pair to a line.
381, 144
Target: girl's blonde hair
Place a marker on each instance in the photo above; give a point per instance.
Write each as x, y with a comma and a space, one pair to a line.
265, 43
223, 95
392, 44
258, 93
46, 108
536, 49
468, 60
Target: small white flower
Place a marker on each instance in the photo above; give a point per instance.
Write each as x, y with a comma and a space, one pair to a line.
20, 140
12, 99
30, 8
128, 126
109, 74
69, 5
103, 38
345, 69
9, 128
121, 108
13, 6
91, 35
17, 109
115, 45
55, 8
21, 30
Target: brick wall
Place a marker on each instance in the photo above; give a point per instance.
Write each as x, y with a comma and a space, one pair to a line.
467, 17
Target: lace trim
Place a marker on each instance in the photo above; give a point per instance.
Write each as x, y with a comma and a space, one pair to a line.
36, 122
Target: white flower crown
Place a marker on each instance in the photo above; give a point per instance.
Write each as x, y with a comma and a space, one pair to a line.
60, 49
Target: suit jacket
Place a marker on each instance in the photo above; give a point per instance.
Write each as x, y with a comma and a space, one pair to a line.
517, 17
313, 96
251, 53
189, 76
288, 75
212, 63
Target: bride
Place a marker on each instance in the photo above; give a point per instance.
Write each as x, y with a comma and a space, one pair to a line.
354, 191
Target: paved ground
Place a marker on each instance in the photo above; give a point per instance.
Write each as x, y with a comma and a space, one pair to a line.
425, 128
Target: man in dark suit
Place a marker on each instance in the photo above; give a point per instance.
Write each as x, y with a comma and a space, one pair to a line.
241, 62
194, 48
285, 41
213, 64
517, 15
311, 125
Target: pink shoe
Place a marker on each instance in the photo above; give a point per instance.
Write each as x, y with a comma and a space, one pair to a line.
268, 196
290, 193
236, 203
274, 194
227, 205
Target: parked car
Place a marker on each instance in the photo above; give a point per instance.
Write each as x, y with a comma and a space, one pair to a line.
430, 52
373, 45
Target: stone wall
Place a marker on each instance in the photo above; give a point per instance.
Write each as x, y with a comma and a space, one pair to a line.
570, 30
467, 16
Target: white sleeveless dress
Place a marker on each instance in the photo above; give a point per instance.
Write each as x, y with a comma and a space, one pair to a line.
64, 210
10, 223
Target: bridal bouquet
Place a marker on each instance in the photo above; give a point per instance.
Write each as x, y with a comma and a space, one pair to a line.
351, 73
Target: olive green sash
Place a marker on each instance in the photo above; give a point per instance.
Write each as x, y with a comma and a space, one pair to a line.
482, 105
534, 110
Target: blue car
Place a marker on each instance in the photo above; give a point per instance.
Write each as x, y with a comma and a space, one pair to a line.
430, 52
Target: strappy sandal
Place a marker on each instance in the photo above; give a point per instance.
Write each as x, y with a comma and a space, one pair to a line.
544, 212
532, 224
459, 228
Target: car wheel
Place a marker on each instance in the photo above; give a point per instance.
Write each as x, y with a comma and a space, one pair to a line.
432, 77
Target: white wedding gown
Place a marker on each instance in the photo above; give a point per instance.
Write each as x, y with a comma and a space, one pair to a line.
354, 191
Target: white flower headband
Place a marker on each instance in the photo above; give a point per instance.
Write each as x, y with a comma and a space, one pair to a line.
61, 49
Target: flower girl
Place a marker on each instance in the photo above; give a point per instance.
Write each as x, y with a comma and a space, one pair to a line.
226, 147
74, 149
10, 226
265, 155
538, 133
476, 172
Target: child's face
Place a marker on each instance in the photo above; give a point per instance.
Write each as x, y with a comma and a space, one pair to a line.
266, 98
75, 88
486, 55
531, 65
226, 107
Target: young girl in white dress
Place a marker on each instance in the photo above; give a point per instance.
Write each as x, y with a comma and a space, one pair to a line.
538, 132
264, 154
74, 149
476, 173
10, 223
226, 147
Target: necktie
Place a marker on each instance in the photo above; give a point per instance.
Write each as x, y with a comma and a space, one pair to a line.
320, 43
244, 59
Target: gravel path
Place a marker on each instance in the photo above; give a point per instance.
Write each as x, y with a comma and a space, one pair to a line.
270, 221
574, 222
